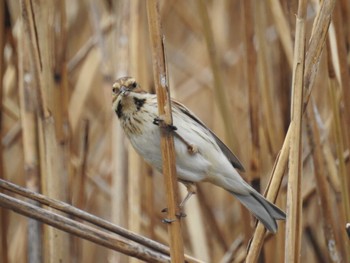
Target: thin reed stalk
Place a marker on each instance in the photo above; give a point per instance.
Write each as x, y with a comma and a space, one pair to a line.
283, 29
316, 43
271, 194
343, 203
344, 80
51, 161
119, 154
167, 141
81, 214
343, 83
231, 63
313, 55
30, 150
3, 213
340, 177
219, 89
274, 137
253, 94
81, 230
329, 229
135, 172
294, 196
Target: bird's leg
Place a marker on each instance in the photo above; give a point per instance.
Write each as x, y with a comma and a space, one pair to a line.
192, 149
191, 190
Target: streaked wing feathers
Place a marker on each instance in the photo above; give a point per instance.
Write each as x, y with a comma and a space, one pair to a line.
229, 155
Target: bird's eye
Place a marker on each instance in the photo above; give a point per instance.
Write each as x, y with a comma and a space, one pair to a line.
115, 90
134, 85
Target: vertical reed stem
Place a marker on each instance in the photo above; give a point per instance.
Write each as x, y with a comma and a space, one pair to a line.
167, 140
329, 229
294, 197
3, 212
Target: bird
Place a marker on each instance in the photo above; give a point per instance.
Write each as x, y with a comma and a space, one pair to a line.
200, 155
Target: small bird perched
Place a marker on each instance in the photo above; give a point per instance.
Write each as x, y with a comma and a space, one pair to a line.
200, 155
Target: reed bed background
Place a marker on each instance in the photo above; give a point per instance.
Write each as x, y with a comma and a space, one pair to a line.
271, 78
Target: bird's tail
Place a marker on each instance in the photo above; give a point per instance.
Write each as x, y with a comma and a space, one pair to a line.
262, 209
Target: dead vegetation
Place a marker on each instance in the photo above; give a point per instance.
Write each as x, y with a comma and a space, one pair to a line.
271, 78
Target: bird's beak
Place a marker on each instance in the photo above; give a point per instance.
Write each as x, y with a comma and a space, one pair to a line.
122, 90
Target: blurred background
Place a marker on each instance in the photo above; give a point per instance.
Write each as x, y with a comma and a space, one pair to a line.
230, 62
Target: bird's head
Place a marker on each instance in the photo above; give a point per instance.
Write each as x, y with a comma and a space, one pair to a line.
127, 95
123, 86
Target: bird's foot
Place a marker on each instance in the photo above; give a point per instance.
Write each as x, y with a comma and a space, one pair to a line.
179, 215
160, 122
192, 149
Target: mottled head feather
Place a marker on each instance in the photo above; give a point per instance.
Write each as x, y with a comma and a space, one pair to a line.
126, 84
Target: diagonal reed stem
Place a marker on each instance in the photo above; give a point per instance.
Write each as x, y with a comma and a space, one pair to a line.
99, 222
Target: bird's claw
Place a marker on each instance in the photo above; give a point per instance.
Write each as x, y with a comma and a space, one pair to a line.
157, 121
168, 221
179, 215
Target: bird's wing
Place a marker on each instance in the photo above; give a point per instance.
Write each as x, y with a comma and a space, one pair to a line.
227, 152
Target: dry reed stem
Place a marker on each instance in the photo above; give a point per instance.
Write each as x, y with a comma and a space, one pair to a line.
343, 204
253, 94
59, 89
196, 228
316, 245
271, 195
344, 81
30, 151
232, 250
77, 102
341, 174
275, 138
135, 172
313, 55
36, 25
190, 68
332, 169
221, 96
344, 84
3, 213
99, 222
329, 229
209, 215
219, 89
134, 191
294, 197
80, 55
283, 29
167, 140
34, 55
316, 44
119, 156
83, 153
81, 230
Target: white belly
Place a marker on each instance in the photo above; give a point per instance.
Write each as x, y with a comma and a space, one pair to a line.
189, 167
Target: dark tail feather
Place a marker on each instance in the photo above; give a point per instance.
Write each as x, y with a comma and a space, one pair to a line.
262, 209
